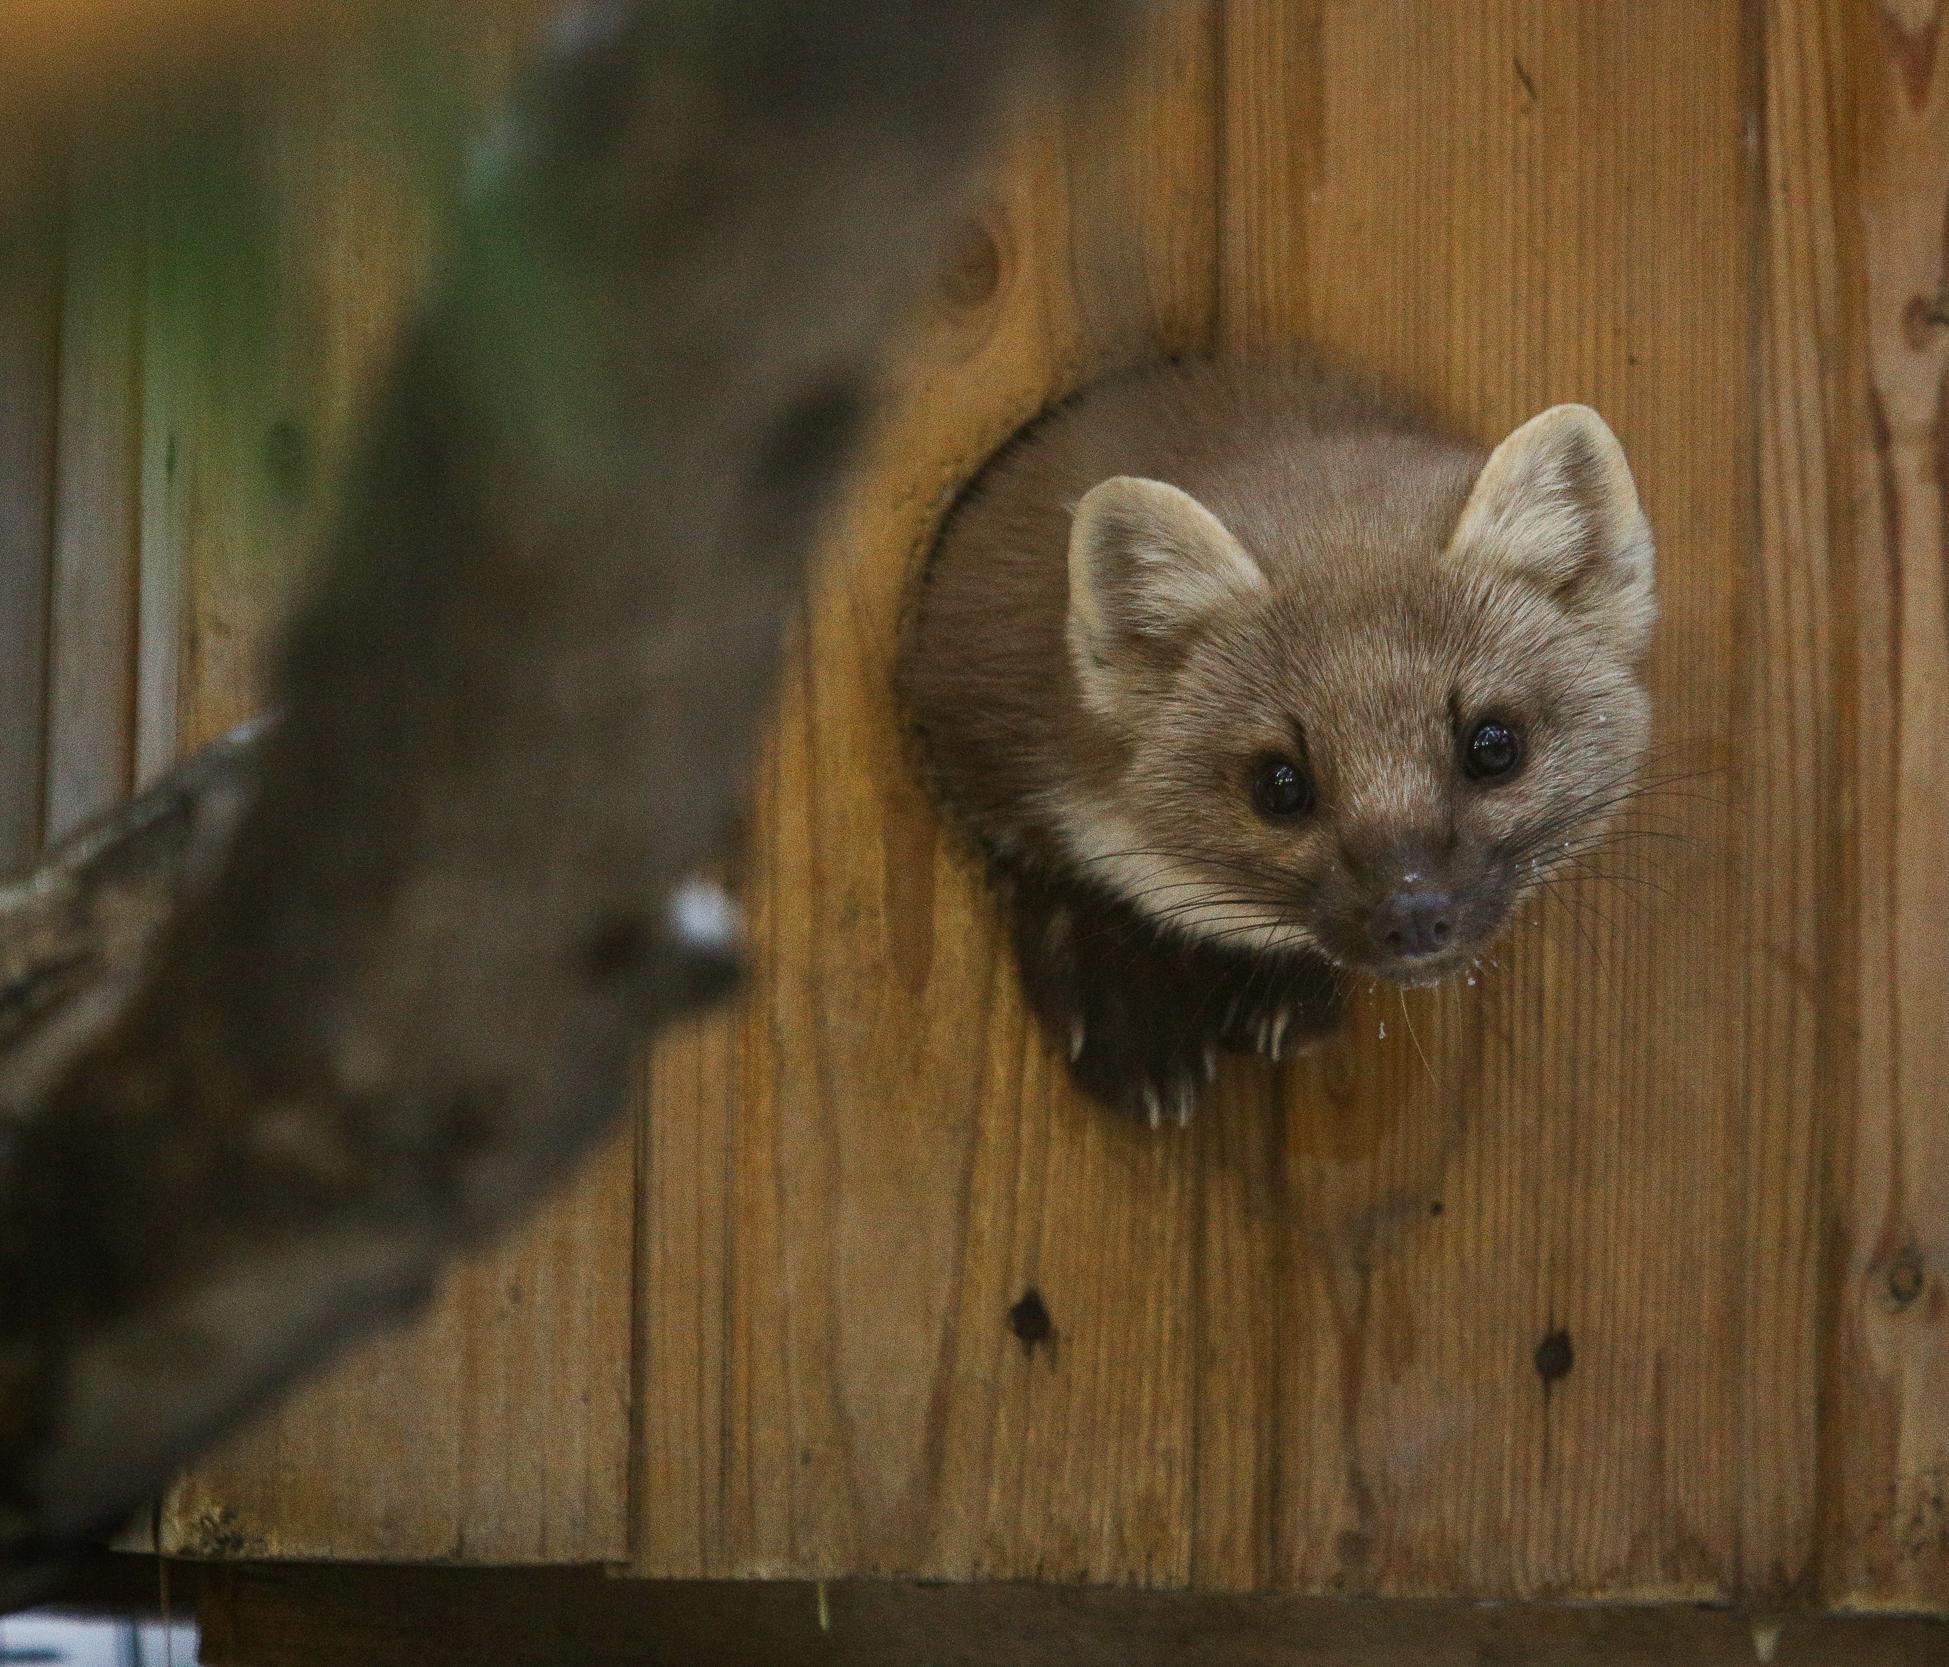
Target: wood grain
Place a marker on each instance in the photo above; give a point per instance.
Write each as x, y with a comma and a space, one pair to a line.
1800, 889
1887, 1521
844, 1178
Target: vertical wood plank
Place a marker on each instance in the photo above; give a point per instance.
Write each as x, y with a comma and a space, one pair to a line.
1886, 1520
848, 1180
30, 311
1802, 879
497, 1428
93, 619
1092, 1215
1512, 205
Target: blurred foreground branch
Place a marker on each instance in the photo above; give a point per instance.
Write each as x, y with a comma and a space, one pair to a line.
338, 999
102, 72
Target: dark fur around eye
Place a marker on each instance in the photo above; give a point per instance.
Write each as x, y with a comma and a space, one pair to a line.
1281, 789
1493, 749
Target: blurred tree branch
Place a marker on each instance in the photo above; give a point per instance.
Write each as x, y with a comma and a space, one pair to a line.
339, 998
100, 71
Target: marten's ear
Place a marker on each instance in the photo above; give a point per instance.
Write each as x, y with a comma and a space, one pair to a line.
1146, 561
1556, 505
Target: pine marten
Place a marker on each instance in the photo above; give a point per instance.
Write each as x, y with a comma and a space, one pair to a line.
1247, 679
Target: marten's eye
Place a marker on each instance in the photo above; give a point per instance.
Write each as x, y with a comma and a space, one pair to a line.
1493, 750
1282, 789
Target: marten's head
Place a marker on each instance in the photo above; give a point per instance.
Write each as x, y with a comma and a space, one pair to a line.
1373, 751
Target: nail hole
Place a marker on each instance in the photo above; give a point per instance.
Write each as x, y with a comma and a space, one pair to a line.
1029, 1320
1555, 1357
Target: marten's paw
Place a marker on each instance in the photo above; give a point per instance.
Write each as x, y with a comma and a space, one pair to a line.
1116, 1004
1141, 1017
1141, 1071
1280, 1010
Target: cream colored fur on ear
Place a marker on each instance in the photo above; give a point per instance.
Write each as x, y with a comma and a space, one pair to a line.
1556, 504
1145, 560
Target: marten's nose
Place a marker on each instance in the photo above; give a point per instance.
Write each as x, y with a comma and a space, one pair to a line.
1415, 923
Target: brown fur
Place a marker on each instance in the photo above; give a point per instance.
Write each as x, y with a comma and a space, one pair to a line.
1363, 591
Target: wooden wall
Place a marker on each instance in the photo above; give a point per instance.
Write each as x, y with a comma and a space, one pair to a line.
1622, 1273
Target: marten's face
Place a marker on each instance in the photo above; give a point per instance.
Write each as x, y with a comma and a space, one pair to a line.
1376, 758
1380, 773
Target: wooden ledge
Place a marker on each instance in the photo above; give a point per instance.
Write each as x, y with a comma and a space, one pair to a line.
325, 1615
